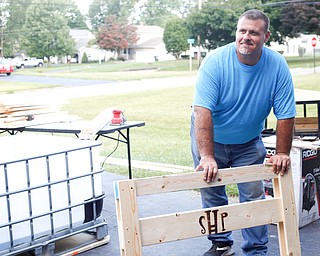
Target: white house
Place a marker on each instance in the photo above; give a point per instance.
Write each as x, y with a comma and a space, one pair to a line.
150, 46
82, 37
296, 46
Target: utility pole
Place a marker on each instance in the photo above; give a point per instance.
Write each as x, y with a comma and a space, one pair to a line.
199, 50
1, 56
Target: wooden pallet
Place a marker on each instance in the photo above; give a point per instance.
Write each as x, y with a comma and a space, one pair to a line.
135, 232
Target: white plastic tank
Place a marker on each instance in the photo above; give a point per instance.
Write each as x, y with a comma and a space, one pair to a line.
44, 184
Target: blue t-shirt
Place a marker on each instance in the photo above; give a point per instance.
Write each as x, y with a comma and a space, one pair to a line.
241, 96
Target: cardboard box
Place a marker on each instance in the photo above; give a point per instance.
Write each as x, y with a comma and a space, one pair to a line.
305, 164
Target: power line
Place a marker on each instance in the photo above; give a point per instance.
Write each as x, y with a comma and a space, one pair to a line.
292, 3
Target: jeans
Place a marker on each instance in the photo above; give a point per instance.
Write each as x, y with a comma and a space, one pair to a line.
235, 155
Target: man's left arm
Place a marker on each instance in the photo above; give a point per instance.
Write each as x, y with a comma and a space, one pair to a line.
281, 160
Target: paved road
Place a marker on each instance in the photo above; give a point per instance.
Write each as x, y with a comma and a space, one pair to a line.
51, 80
63, 93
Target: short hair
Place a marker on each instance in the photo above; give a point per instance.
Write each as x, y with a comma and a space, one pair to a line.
255, 14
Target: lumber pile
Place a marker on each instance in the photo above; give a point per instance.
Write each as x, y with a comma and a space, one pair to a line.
21, 115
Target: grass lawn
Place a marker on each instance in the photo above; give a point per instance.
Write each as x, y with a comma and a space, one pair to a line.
165, 138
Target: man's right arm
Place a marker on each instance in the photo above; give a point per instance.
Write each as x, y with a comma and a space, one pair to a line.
204, 137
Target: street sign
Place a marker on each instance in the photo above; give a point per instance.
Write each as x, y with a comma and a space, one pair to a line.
314, 42
191, 41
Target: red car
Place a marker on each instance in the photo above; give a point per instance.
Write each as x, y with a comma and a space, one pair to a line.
5, 67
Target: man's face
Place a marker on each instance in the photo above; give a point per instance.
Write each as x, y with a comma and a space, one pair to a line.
251, 36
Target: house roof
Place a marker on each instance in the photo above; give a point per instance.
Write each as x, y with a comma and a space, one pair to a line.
81, 37
149, 37
143, 29
150, 44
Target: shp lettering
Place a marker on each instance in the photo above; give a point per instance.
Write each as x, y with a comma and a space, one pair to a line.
210, 222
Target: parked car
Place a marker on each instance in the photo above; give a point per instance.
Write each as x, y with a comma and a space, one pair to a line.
29, 62
6, 67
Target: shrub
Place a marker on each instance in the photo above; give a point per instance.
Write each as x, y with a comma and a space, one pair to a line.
84, 58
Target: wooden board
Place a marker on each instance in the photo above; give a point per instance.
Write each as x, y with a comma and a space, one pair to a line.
306, 124
85, 246
22, 115
135, 232
96, 124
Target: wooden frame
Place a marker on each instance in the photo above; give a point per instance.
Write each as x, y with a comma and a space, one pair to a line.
135, 232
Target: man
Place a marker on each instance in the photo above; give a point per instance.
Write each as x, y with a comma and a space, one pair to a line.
237, 86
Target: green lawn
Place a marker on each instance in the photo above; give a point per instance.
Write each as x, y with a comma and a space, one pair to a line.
165, 138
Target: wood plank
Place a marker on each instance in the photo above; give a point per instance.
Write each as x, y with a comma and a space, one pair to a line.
38, 111
306, 124
96, 124
179, 182
288, 229
87, 247
38, 119
306, 120
128, 219
183, 225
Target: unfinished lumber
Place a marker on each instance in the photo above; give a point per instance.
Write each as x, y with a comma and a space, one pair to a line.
135, 232
92, 127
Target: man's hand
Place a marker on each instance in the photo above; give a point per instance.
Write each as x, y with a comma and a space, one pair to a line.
209, 167
280, 163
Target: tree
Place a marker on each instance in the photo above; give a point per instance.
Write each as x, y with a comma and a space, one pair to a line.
46, 31
297, 18
99, 9
84, 58
97, 13
273, 11
75, 19
158, 12
175, 37
116, 35
122, 9
215, 26
13, 16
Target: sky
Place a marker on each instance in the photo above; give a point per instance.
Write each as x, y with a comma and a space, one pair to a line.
83, 5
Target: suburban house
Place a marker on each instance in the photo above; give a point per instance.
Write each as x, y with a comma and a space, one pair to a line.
149, 48
82, 38
297, 46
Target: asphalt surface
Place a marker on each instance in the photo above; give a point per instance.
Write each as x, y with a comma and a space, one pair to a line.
61, 95
51, 80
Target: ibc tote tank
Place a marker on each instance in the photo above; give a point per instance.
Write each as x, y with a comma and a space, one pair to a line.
49, 186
